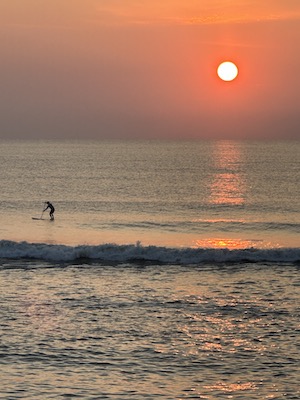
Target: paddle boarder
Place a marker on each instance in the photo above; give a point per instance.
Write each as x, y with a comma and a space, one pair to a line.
52, 209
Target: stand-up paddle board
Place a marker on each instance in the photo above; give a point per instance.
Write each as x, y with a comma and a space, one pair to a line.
42, 219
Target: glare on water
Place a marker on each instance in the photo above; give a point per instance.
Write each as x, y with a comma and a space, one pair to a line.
228, 185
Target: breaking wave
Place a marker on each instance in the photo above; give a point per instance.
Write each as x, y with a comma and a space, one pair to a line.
10, 250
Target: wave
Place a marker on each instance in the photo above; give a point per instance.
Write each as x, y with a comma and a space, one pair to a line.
113, 253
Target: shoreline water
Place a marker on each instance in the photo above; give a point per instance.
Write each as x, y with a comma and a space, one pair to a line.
134, 331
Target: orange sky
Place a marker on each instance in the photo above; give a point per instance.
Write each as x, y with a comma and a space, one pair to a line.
129, 68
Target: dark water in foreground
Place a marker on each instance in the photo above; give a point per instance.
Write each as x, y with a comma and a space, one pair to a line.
129, 331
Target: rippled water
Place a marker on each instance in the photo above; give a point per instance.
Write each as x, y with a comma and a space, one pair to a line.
146, 332
171, 270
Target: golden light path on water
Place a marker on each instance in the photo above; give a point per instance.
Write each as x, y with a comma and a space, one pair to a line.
227, 187
230, 244
228, 184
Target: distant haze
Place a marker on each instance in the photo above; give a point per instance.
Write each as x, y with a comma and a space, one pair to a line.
147, 69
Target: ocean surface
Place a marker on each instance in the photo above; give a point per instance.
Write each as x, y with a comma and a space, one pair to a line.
171, 270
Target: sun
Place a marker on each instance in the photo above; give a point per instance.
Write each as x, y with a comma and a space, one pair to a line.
227, 71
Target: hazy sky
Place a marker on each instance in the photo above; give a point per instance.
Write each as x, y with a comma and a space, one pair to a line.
147, 68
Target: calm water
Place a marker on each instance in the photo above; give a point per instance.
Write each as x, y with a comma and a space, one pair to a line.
171, 270
194, 194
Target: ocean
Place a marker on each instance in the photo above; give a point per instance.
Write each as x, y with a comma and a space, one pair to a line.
170, 271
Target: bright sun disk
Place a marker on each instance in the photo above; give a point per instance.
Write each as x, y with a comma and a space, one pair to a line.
227, 71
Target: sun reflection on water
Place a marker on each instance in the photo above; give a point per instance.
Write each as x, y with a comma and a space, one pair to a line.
228, 185
232, 387
225, 243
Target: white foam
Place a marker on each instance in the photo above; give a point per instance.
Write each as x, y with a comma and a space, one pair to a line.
155, 254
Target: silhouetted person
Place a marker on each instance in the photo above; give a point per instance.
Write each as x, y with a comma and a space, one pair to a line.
52, 209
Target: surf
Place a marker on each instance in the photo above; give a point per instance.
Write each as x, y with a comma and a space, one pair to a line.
113, 253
